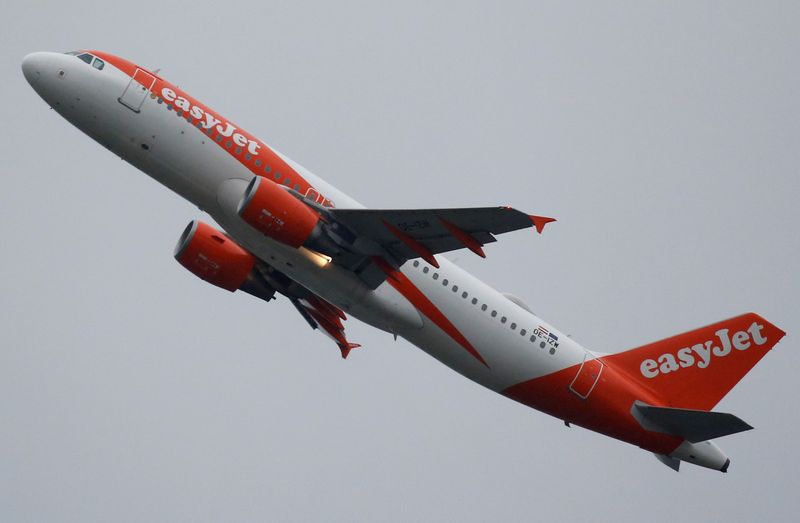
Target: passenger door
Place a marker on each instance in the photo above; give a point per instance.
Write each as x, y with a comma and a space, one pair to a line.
135, 93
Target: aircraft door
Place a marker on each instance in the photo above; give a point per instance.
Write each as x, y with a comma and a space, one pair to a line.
135, 93
587, 377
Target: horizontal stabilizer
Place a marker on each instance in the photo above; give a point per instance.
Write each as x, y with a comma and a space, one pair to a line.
691, 425
673, 463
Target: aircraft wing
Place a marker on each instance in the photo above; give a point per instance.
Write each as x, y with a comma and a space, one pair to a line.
322, 315
397, 235
317, 312
377, 240
364, 241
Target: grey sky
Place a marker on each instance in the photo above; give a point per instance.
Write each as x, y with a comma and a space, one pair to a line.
664, 138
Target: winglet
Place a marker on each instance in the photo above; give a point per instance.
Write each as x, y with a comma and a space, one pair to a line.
346, 348
464, 237
540, 221
412, 244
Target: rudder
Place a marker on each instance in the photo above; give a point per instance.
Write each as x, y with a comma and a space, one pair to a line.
696, 369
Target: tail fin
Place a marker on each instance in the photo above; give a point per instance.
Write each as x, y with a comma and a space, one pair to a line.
696, 369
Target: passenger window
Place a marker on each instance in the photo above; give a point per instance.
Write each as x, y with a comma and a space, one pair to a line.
98, 64
86, 57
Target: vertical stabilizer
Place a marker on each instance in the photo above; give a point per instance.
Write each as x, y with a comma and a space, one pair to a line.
696, 369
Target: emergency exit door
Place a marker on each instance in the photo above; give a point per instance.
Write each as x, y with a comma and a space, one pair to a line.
587, 377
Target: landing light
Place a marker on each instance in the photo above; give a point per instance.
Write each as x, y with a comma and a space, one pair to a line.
319, 259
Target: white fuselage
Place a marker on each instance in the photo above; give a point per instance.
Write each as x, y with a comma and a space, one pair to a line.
188, 161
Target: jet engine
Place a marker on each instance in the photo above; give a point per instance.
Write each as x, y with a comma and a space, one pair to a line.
276, 213
212, 256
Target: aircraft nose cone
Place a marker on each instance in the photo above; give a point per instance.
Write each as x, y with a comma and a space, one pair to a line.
32, 66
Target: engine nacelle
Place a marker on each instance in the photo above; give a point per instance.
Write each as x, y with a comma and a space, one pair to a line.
277, 214
211, 256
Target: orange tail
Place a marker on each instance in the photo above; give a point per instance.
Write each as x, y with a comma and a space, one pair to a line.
696, 369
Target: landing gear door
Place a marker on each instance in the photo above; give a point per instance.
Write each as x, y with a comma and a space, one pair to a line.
587, 377
135, 93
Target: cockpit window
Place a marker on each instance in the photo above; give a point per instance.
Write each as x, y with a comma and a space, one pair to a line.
89, 59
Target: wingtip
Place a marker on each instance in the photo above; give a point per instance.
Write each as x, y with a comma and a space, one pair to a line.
347, 348
540, 221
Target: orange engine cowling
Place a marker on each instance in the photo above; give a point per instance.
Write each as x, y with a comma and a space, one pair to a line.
277, 214
211, 256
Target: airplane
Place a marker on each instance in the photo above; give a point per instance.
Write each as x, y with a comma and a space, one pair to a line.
286, 231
